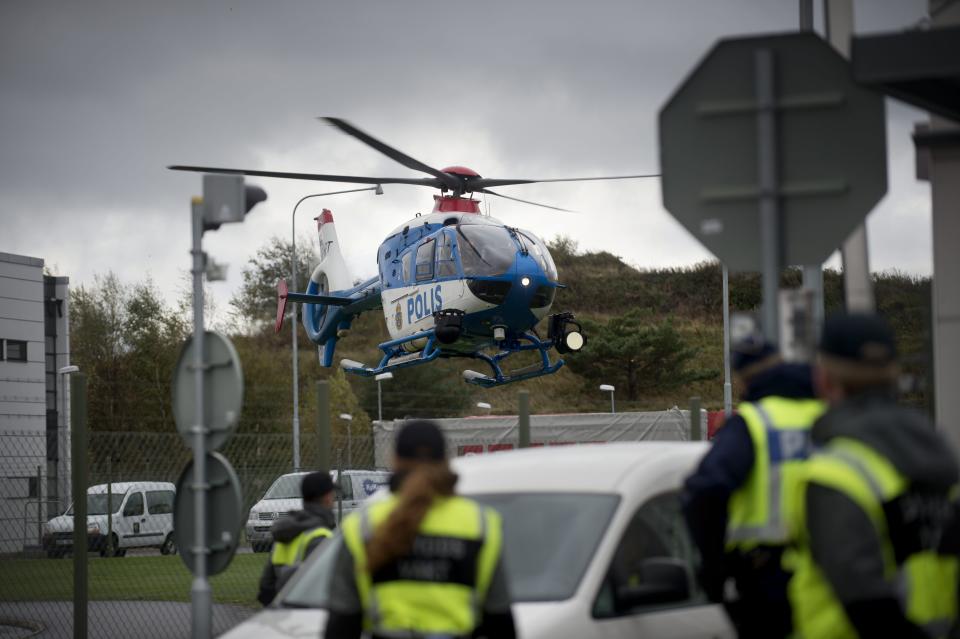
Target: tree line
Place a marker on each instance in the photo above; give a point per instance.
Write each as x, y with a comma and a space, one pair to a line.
655, 334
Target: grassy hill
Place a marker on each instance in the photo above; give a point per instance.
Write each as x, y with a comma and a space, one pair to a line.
601, 286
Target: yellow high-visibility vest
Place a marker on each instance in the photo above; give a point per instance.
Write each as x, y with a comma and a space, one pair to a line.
440, 587
780, 431
294, 551
925, 579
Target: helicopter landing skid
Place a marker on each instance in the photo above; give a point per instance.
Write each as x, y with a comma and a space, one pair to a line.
499, 378
394, 355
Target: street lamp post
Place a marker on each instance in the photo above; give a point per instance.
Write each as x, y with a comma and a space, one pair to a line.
380, 378
347, 417
62, 443
607, 388
293, 269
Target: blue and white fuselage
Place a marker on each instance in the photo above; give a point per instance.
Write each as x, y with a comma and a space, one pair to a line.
496, 282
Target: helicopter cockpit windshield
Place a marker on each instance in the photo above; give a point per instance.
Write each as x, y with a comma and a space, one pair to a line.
485, 250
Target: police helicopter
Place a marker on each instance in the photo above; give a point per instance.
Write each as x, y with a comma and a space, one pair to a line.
453, 283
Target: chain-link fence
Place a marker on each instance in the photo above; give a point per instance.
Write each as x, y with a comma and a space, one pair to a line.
137, 585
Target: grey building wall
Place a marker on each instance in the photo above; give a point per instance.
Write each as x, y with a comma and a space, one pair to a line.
34, 432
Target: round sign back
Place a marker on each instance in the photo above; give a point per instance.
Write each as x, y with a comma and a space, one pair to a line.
222, 390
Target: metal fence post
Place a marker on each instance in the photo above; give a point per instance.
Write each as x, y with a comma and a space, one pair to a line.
523, 419
323, 425
340, 483
110, 548
39, 505
78, 410
695, 434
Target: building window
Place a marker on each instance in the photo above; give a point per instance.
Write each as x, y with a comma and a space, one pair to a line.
16, 350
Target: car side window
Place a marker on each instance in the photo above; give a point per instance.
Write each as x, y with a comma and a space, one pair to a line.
134, 507
654, 565
160, 502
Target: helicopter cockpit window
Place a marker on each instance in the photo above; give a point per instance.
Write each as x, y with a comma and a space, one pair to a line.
425, 260
539, 251
446, 264
485, 250
407, 261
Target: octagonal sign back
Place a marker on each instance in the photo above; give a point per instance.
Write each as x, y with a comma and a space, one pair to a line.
830, 138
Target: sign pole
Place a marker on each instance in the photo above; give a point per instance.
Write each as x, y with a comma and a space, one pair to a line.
78, 442
727, 386
769, 200
200, 594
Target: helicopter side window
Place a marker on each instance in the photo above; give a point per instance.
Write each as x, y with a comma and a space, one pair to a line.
446, 264
425, 260
407, 261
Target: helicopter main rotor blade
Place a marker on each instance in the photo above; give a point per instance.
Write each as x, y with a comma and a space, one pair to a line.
516, 199
320, 177
449, 181
480, 183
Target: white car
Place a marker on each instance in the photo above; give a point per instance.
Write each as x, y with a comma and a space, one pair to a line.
595, 546
284, 496
142, 517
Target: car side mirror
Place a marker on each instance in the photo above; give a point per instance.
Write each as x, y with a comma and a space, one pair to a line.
657, 580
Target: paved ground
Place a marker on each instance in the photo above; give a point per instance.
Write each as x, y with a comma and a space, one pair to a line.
111, 619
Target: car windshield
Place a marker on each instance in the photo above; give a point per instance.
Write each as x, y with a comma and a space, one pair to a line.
485, 250
539, 529
97, 504
286, 487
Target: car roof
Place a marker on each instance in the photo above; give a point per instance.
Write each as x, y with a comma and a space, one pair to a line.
352, 471
125, 486
598, 468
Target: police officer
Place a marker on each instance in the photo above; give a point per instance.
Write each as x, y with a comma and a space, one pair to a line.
734, 503
297, 534
422, 562
877, 536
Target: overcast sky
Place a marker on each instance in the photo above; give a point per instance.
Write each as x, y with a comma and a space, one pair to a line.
96, 98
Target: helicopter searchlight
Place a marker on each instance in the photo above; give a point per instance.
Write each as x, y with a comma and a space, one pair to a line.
450, 284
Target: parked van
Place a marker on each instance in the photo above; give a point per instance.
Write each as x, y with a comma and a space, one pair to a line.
284, 496
142, 517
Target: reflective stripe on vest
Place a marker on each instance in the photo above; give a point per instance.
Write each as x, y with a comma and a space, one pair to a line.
293, 552
780, 432
925, 581
440, 587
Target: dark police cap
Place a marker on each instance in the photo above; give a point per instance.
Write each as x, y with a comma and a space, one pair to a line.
753, 355
860, 338
747, 353
313, 486
421, 439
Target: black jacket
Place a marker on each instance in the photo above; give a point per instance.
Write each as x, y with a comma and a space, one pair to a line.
285, 530
725, 468
843, 541
761, 609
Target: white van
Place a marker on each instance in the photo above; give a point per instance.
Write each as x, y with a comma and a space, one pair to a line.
284, 496
142, 517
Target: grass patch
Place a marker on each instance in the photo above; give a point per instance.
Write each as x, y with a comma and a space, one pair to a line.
157, 578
